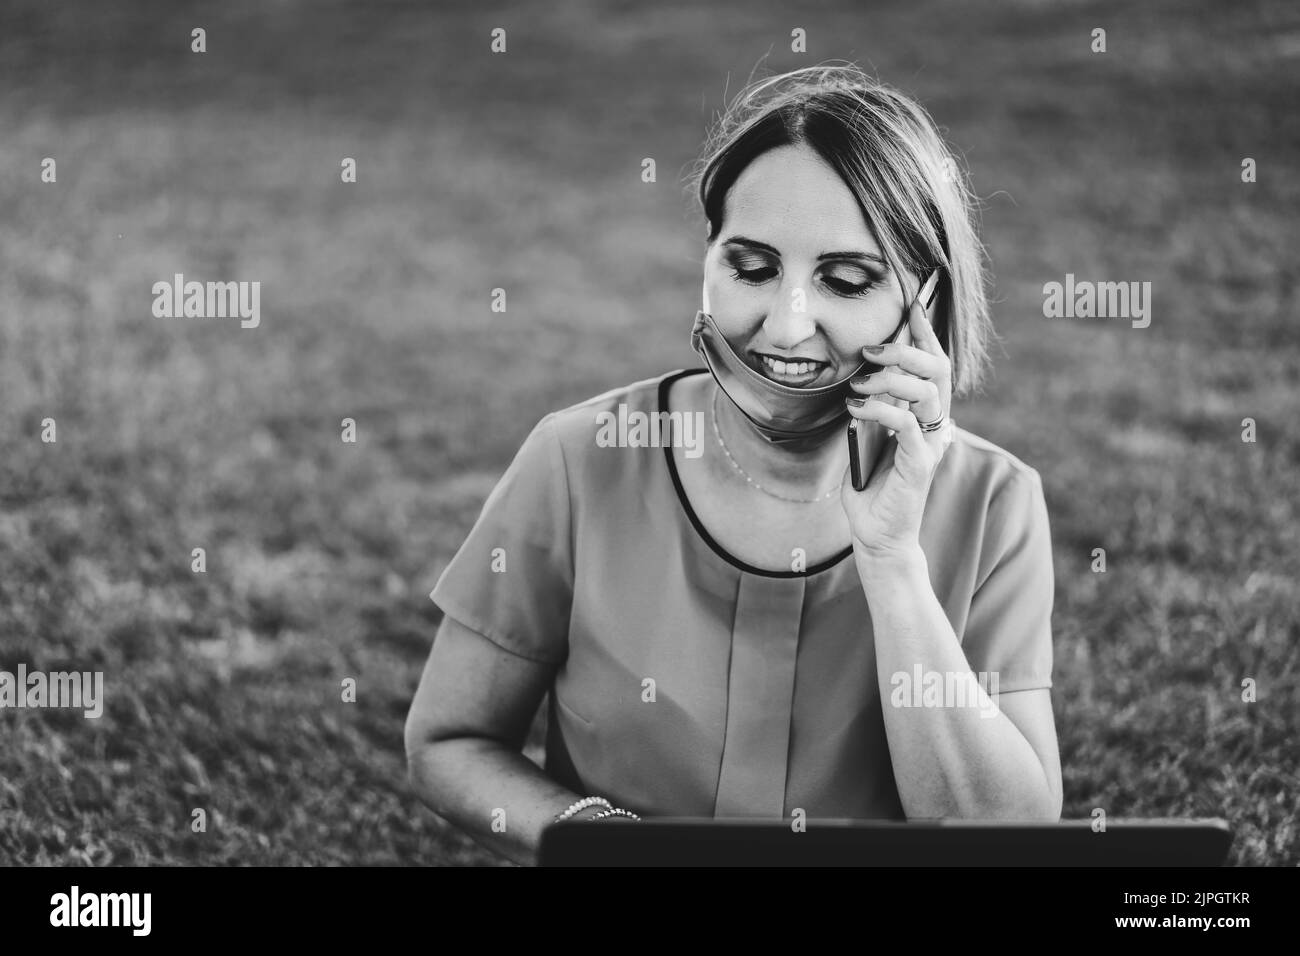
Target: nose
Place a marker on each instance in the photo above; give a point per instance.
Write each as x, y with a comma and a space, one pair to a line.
789, 319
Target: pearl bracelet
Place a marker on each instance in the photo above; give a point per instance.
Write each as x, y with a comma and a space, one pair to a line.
614, 812
579, 805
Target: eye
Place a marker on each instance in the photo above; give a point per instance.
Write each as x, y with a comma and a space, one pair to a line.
844, 287
754, 276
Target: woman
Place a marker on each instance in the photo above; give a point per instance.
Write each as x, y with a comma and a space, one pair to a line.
728, 627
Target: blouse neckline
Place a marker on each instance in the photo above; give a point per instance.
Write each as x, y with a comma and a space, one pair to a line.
662, 406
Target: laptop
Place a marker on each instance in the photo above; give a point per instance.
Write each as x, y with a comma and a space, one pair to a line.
680, 841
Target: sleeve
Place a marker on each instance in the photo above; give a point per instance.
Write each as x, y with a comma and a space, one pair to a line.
512, 579
1009, 628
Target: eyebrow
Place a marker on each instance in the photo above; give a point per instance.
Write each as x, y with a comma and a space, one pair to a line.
755, 244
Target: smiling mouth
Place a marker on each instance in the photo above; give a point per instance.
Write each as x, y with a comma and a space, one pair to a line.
798, 374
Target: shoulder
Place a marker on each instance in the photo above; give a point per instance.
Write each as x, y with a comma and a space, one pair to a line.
609, 437
986, 506
981, 478
980, 460
624, 417
577, 425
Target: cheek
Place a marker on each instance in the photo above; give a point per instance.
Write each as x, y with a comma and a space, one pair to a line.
715, 288
733, 303
846, 343
868, 322
715, 293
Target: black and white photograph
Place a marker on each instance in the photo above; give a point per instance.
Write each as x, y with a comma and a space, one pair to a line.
836, 434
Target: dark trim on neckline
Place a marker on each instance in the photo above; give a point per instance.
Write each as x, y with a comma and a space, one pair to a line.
662, 406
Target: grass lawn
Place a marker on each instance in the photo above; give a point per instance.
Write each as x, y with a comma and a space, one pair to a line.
522, 172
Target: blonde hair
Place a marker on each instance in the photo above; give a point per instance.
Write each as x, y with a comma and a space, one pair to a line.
910, 187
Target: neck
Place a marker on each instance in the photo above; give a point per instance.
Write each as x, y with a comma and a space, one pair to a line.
804, 468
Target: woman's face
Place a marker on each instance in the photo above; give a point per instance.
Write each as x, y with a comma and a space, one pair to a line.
790, 224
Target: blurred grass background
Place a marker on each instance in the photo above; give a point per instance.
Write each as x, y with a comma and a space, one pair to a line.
522, 171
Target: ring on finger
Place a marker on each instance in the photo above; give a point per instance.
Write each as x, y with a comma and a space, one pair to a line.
935, 425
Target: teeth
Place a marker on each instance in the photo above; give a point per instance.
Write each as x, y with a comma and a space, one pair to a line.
788, 368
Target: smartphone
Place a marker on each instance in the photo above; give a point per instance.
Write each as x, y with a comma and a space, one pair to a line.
867, 439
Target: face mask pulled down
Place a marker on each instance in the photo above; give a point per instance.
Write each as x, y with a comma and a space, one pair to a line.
780, 413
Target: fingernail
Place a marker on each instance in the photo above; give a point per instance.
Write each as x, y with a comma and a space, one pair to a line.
873, 349
862, 379
855, 402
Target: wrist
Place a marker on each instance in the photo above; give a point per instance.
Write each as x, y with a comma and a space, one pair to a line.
618, 814
878, 564
593, 808
584, 808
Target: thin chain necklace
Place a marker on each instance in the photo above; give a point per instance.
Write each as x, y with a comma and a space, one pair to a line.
744, 474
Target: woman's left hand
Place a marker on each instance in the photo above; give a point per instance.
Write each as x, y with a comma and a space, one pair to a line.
886, 515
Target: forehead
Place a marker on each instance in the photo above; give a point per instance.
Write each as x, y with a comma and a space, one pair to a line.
792, 199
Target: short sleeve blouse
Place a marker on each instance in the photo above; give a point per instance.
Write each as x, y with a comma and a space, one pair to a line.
689, 683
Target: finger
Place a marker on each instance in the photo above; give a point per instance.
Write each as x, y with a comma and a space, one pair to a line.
921, 394
923, 334
902, 422
909, 358
921, 329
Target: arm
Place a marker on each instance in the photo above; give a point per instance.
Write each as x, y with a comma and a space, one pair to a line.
950, 761
955, 761
464, 736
